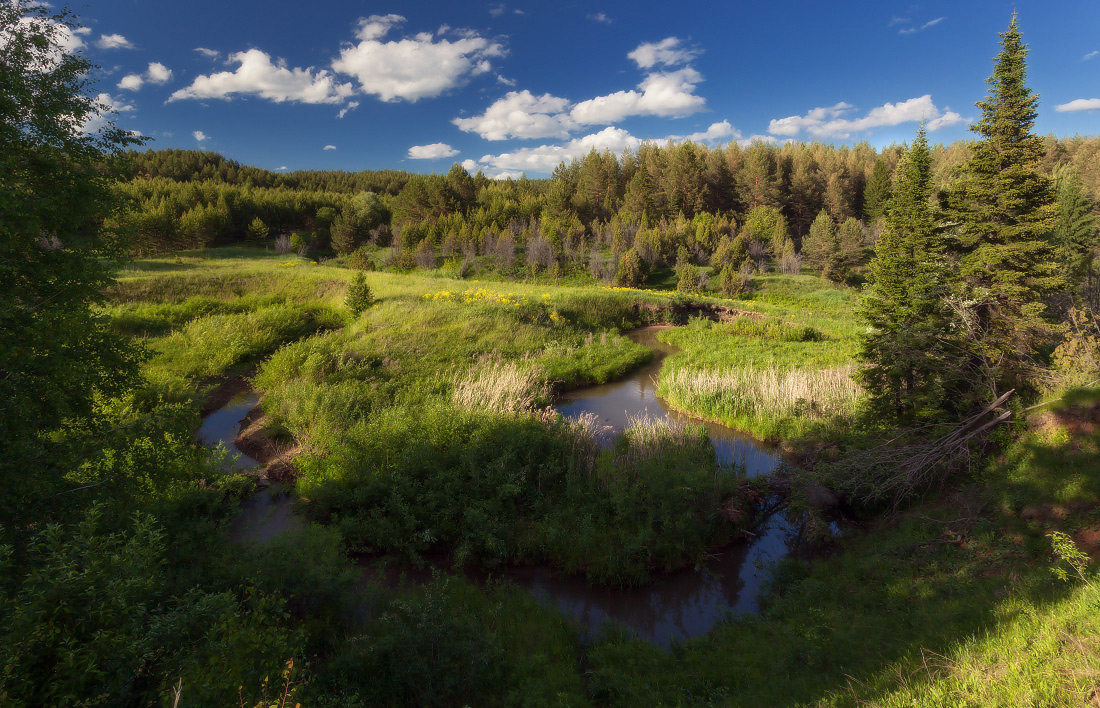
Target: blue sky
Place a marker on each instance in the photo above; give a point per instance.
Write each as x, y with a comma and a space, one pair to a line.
512, 88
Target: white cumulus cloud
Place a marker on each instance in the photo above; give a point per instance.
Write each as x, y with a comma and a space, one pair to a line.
717, 131
545, 158
830, 122
666, 94
600, 17
156, 73
113, 41
352, 105
1080, 104
200, 136
521, 114
256, 74
1090, 55
435, 151
329, 147
419, 66
208, 53
131, 82
669, 52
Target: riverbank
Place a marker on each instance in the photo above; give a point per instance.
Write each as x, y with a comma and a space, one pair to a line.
930, 606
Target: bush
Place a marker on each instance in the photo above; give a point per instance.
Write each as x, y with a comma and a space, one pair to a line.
401, 260
299, 243
258, 230
361, 260
688, 280
632, 270
359, 296
732, 283
283, 245
427, 649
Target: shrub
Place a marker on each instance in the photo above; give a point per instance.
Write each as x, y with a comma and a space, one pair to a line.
688, 279
359, 296
732, 283
425, 255
299, 243
258, 230
283, 245
360, 260
632, 270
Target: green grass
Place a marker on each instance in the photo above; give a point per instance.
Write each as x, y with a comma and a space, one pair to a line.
950, 602
800, 350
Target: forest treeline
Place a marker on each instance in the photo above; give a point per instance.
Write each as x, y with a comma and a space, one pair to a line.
615, 217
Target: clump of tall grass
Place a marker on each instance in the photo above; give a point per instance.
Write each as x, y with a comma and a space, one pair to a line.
651, 438
496, 386
768, 391
586, 434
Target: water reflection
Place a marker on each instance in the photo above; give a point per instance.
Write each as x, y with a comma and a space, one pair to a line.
224, 425
676, 606
636, 395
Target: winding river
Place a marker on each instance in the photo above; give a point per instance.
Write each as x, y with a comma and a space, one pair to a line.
675, 606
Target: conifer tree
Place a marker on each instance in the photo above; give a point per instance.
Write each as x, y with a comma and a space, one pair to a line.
1004, 211
1077, 228
904, 308
876, 194
820, 247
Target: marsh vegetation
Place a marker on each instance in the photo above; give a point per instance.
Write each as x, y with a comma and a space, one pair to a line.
409, 348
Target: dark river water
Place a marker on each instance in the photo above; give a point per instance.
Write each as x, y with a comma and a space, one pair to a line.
636, 395
674, 606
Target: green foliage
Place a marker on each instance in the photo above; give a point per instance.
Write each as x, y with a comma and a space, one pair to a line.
362, 213
732, 283
906, 347
361, 259
632, 270
1005, 210
1077, 229
687, 278
96, 621
820, 248
258, 230
359, 295
1067, 552
57, 356
429, 650
876, 195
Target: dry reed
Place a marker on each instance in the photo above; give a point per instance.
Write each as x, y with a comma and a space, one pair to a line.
496, 386
650, 437
770, 391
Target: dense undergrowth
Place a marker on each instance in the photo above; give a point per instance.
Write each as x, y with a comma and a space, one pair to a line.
950, 601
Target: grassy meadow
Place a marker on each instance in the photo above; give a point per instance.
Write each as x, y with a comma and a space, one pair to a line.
420, 430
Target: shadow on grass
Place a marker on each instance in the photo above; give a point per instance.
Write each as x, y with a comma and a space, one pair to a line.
904, 606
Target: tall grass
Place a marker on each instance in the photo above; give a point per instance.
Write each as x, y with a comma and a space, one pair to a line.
766, 397
651, 438
496, 386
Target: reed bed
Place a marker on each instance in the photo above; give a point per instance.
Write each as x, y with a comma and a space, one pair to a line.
497, 386
653, 438
767, 391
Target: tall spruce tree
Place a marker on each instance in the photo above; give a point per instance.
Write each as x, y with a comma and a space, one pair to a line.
1005, 212
904, 302
876, 194
1076, 228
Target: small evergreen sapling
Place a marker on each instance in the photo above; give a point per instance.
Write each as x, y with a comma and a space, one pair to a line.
359, 296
